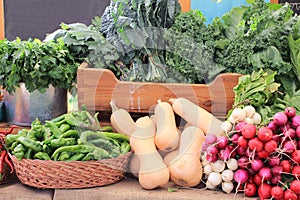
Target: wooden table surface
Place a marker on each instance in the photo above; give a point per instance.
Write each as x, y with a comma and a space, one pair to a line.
127, 188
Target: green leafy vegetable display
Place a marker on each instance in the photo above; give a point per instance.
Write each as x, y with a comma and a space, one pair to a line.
260, 90
154, 41
86, 43
37, 64
187, 51
136, 28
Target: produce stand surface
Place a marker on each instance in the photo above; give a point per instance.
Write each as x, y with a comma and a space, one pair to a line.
127, 188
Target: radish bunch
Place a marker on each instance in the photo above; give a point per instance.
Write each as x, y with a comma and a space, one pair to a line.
218, 163
268, 156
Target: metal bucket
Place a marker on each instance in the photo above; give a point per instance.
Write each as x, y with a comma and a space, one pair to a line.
23, 107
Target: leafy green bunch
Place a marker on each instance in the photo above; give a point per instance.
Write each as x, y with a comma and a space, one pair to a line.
86, 43
37, 64
188, 49
136, 28
255, 37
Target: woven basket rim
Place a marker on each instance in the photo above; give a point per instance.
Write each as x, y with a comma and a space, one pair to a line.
74, 161
47, 174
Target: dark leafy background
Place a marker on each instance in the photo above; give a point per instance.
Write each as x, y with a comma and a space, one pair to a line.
154, 41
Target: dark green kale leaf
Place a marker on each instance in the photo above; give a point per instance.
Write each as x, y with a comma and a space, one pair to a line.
135, 28
188, 49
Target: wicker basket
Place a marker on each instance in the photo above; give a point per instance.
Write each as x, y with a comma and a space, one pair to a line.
73, 174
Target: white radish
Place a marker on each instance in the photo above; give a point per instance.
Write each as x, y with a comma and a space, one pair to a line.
227, 126
249, 110
210, 186
232, 164
256, 118
227, 187
218, 166
227, 175
249, 120
237, 115
214, 178
207, 169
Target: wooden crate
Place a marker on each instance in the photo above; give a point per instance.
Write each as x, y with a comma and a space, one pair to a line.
97, 87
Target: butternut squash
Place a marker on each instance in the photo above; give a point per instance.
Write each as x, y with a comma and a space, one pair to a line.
170, 156
167, 134
153, 172
186, 168
197, 116
121, 120
134, 165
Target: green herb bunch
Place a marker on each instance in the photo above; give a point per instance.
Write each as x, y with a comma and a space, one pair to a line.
36, 64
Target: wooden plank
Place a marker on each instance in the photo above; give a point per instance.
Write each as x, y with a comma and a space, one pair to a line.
273, 1
16, 190
130, 189
97, 87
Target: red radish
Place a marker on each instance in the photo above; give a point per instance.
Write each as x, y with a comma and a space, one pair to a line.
255, 144
265, 173
264, 134
276, 170
239, 126
276, 137
273, 126
263, 154
211, 158
204, 146
277, 192
250, 190
276, 179
222, 142
295, 186
224, 154
296, 156
270, 146
298, 131
274, 161
241, 151
241, 176
280, 118
242, 142
212, 150
289, 146
290, 133
257, 179
250, 154
289, 195
296, 171
290, 112
296, 121
232, 151
286, 166
249, 131
264, 191
257, 164
251, 172
210, 138
234, 138
243, 162
285, 127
